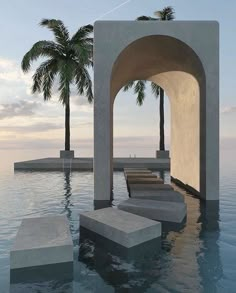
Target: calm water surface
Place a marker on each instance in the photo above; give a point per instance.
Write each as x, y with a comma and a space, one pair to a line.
200, 256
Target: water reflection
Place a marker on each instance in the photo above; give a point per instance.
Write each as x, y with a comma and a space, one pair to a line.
132, 269
208, 257
67, 194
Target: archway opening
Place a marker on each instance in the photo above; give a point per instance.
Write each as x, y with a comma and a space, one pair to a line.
136, 126
174, 66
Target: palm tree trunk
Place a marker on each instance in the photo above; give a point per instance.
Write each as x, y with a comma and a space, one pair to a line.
162, 131
67, 126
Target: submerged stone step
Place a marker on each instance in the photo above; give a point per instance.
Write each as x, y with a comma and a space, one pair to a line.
121, 227
42, 241
145, 181
161, 195
150, 187
156, 210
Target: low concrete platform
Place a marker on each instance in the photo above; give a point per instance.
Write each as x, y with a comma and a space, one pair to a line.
121, 227
86, 164
141, 180
160, 195
42, 241
156, 210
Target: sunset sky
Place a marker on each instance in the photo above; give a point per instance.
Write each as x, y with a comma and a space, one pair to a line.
29, 123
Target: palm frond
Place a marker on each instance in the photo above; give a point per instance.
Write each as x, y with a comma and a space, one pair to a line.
84, 83
40, 49
83, 34
139, 89
143, 17
167, 13
58, 28
83, 53
128, 86
66, 72
155, 89
49, 68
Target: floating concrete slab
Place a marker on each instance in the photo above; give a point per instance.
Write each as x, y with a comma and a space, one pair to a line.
160, 195
154, 187
42, 241
86, 164
156, 210
121, 227
145, 181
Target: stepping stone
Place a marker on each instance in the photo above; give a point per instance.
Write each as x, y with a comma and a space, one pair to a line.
156, 210
130, 176
137, 172
42, 241
161, 195
145, 181
136, 169
154, 187
121, 227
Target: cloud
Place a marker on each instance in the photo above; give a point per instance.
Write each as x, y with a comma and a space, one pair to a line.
36, 127
22, 108
228, 110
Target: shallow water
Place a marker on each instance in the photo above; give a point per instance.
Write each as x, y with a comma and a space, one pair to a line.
198, 257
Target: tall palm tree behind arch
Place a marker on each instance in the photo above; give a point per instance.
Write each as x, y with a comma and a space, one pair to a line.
166, 14
68, 59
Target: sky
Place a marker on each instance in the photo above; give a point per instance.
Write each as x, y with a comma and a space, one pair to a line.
27, 122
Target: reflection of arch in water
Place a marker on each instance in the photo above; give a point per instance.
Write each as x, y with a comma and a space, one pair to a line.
187, 68
208, 257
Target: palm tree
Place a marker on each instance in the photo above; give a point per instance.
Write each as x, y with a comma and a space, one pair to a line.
166, 14
68, 60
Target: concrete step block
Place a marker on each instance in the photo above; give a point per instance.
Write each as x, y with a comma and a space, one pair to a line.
160, 195
145, 181
121, 227
153, 187
156, 210
42, 241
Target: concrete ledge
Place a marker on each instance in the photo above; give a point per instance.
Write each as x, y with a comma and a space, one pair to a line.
42, 241
86, 164
67, 154
160, 195
156, 210
162, 154
121, 227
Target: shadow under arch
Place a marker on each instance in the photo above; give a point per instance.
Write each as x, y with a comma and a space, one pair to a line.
174, 66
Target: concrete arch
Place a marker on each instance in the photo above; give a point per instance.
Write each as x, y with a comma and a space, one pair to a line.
183, 59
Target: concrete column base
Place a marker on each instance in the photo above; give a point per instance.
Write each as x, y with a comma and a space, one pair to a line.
67, 154
162, 154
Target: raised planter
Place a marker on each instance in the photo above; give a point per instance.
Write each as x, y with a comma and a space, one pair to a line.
67, 154
162, 154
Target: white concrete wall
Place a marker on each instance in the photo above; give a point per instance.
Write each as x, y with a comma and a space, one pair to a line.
182, 57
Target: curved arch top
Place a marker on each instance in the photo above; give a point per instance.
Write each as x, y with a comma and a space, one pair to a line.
183, 58
149, 57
